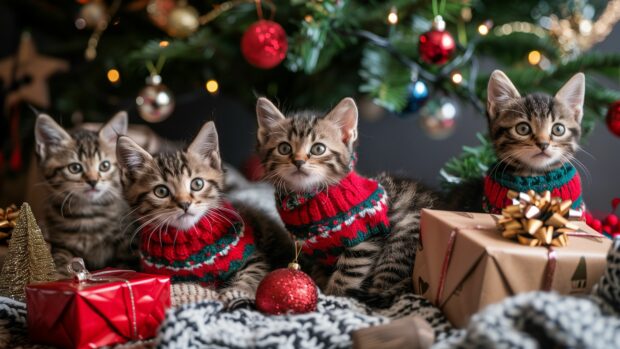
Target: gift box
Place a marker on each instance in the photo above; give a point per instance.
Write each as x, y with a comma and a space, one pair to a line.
463, 263
104, 308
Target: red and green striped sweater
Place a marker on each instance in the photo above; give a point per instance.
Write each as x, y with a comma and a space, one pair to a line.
340, 216
210, 252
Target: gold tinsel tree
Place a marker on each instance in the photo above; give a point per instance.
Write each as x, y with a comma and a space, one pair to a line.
28, 260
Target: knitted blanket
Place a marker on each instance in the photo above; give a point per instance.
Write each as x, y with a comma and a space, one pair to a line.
529, 320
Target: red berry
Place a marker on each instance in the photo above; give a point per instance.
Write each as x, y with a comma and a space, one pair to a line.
611, 219
596, 224
589, 217
606, 229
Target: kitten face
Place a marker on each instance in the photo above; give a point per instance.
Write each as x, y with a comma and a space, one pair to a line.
80, 165
537, 132
174, 189
306, 151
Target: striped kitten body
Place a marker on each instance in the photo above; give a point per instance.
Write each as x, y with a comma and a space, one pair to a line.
84, 211
177, 190
309, 152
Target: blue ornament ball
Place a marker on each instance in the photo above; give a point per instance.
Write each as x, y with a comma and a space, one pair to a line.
417, 96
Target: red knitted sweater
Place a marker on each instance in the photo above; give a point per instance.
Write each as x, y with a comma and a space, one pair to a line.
343, 215
209, 252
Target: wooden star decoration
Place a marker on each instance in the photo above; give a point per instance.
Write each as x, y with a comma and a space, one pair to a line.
25, 74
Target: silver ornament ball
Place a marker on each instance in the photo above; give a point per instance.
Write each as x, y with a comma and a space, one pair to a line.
438, 118
155, 102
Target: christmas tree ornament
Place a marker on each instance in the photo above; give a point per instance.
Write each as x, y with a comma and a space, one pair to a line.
155, 102
438, 118
182, 21
93, 14
437, 45
28, 260
287, 291
613, 118
417, 95
264, 44
159, 12
25, 74
8, 221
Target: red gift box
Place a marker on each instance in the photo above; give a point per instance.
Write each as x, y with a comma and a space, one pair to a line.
108, 307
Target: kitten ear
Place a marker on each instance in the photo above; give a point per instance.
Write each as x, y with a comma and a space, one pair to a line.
573, 94
48, 135
130, 156
117, 126
499, 91
206, 146
267, 114
345, 116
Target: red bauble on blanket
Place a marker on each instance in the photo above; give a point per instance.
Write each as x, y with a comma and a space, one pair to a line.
287, 291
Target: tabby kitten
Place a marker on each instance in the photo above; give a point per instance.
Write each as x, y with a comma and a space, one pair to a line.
189, 230
535, 138
83, 214
359, 235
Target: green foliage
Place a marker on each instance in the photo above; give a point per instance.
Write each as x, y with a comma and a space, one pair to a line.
471, 164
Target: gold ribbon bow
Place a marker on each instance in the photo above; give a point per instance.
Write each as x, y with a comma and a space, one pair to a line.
8, 220
538, 219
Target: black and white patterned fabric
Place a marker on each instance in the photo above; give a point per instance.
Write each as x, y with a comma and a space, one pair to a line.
530, 320
208, 325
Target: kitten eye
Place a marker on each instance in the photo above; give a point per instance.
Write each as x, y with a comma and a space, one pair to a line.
558, 129
161, 191
318, 149
197, 184
75, 167
104, 166
284, 148
523, 129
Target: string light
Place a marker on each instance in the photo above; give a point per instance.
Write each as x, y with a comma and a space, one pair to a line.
113, 76
308, 18
534, 57
164, 43
483, 29
212, 86
457, 78
393, 16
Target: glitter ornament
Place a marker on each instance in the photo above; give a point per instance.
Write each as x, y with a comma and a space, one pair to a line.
264, 44
417, 95
438, 118
613, 118
287, 291
436, 46
155, 102
182, 22
28, 260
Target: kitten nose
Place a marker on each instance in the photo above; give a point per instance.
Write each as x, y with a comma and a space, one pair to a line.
299, 163
92, 182
184, 205
543, 145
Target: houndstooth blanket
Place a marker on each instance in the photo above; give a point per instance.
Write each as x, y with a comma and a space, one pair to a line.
530, 320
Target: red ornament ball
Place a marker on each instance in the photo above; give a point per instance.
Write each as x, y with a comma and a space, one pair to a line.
613, 118
436, 46
286, 291
264, 44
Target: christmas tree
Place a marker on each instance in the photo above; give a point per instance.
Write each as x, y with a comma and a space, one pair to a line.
404, 55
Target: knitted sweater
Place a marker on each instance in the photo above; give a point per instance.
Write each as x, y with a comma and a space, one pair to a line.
563, 182
341, 216
210, 252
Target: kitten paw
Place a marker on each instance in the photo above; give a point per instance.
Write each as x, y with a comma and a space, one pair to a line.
185, 293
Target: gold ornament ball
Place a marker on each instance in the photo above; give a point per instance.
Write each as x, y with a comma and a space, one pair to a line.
155, 102
182, 22
91, 15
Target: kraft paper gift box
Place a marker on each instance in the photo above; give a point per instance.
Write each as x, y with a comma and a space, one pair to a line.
480, 267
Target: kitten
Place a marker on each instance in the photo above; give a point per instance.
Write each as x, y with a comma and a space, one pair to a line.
189, 230
535, 138
359, 235
83, 214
